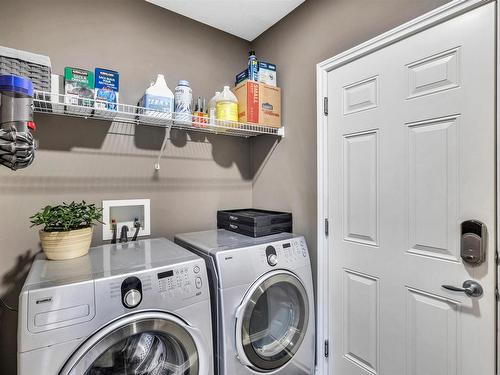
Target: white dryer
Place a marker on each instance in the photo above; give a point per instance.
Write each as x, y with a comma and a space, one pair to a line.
136, 308
263, 301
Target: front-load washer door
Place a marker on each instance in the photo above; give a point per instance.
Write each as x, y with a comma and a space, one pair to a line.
271, 321
148, 343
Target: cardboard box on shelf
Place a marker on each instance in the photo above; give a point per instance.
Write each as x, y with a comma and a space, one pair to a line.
259, 103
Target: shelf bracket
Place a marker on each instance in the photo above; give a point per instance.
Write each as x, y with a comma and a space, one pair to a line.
163, 147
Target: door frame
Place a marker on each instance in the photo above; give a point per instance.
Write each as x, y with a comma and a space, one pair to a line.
419, 24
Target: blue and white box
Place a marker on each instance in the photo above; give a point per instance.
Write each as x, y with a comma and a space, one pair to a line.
268, 73
240, 77
107, 85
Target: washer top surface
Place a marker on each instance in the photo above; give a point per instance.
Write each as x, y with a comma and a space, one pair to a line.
107, 260
214, 241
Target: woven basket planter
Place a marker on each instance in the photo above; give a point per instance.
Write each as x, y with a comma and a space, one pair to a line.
66, 245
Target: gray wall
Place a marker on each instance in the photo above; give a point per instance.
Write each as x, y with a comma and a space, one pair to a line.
315, 31
93, 160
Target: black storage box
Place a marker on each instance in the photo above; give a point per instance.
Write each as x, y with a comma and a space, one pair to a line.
254, 222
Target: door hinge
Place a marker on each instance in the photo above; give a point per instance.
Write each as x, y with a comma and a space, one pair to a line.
327, 227
325, 106
327, 349
497, 294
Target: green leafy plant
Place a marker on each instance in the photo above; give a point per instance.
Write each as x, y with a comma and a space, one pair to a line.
67, 217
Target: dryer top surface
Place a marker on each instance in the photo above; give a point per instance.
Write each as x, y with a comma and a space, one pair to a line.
215, 241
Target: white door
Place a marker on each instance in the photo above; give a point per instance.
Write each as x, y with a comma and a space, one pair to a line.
411, 156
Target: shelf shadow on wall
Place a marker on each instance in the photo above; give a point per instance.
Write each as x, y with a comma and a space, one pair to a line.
12, 283
262, 149
58, 133
225, 150
61, 133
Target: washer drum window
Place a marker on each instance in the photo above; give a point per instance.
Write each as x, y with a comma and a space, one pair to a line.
140, 344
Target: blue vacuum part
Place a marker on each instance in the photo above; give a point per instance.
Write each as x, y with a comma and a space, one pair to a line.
16, 84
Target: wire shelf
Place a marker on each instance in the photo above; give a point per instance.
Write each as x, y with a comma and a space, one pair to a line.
60, 104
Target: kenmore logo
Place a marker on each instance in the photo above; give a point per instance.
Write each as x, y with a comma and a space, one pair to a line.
44, 300
228, 258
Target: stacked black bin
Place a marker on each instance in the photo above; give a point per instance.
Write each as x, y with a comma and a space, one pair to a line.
253, 222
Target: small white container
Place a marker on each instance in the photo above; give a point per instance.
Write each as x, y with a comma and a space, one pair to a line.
183, 99
212, 108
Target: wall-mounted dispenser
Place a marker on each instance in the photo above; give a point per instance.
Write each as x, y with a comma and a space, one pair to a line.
17, 146
127, 216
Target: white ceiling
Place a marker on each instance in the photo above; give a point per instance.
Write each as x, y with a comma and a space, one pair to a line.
246, 19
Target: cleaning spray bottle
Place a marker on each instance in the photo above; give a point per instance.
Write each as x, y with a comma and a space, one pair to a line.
253, 67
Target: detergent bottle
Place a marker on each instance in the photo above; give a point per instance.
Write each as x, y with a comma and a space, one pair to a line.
226, 106
158, 98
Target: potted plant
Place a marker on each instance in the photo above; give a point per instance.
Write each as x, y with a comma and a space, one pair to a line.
67, 229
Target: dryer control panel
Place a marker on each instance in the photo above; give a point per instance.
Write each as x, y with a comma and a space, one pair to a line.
243, 265
288, 253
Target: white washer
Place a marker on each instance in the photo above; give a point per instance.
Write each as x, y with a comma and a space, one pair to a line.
137, 308
263, 301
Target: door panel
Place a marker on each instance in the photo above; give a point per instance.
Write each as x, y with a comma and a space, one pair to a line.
433, 188
434, 73
360, 172
411, 156
431, 319
361, 96
360, 320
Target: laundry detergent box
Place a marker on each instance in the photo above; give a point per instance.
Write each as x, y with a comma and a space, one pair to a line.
107, 84
78, 89
259, 103
267, 73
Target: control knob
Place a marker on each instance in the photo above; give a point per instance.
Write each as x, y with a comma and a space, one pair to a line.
132, 298
131, 292
272, 260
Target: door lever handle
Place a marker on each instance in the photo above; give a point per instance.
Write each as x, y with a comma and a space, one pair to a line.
469, 287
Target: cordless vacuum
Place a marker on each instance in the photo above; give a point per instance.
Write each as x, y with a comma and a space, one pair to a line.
17, 146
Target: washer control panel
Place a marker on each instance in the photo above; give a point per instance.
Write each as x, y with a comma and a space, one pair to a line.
160, 287
186, 279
